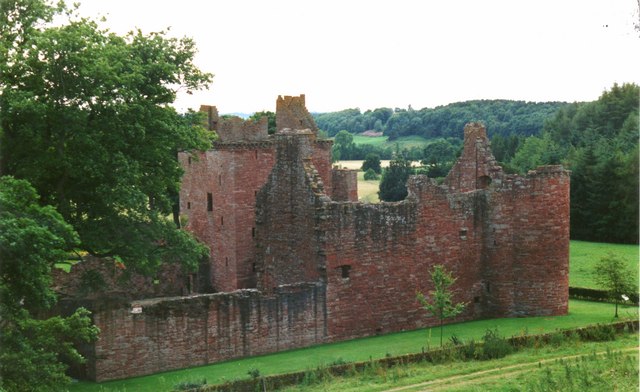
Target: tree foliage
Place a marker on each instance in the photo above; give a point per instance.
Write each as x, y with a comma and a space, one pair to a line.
394, 179
612, 273
439, 303
502, 117
439, 156
271, 120
85, 119
372, 161
598, 141
32, 239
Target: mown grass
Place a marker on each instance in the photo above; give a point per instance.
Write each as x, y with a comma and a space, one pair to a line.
581, 313
384, 142
584, 256
569, 365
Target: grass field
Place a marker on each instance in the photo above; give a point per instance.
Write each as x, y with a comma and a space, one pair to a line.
568, 365
580, 313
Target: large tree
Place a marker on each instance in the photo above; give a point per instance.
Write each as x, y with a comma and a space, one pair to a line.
85, 118
32, 239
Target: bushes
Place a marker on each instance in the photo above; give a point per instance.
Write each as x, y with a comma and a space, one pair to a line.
494, 346
195, 385
370, 175
599, 333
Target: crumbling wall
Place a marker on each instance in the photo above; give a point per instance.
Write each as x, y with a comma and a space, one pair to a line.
378, 256
235, 129
345, 185
96, 277
288, 249
157, 335
504, 237
292, 113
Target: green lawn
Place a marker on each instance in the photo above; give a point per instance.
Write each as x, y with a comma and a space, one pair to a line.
581, 313
584, 256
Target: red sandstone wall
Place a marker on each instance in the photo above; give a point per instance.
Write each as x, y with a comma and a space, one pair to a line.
345, 185
286, 237
390, 249
322, 162
542, 243
291, 112
175, 333
233, 173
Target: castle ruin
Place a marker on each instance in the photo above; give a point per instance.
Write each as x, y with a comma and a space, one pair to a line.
296, 260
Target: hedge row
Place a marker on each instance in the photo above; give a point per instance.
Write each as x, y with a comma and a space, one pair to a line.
597, 295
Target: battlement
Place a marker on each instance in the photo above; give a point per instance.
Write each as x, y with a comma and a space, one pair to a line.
235, 129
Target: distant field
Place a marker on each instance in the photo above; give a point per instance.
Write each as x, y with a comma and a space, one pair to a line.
375, 141
382, 141
368, 190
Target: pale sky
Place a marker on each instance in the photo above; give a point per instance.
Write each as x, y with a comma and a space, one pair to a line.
368, 54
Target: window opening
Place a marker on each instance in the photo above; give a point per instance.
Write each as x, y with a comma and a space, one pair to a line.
209, 202
345, 271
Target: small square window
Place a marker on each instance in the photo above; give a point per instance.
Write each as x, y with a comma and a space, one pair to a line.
345, 271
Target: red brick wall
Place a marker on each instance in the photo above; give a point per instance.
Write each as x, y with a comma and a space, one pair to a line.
175, 333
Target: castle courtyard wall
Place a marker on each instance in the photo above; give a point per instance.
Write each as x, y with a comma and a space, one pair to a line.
174, 333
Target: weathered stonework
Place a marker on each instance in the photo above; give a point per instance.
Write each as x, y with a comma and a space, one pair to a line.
296, 260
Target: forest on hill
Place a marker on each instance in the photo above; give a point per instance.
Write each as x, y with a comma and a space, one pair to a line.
598, 142
501, 117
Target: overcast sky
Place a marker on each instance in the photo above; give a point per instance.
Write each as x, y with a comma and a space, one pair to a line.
368, 54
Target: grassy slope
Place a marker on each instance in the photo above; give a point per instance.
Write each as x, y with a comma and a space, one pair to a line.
511, 373
581, 313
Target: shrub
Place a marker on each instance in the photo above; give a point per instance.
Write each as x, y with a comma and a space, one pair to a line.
495, 346
599, 333
190, 385
370, 175
254, 373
